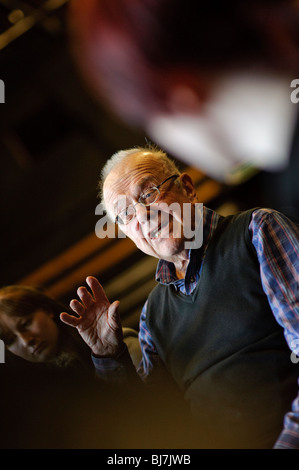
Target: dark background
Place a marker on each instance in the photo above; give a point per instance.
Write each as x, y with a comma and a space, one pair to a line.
54, 140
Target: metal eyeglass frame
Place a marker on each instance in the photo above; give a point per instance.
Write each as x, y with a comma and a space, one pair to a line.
118, 218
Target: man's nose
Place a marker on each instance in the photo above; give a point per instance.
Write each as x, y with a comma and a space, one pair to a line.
142, 213
142, 220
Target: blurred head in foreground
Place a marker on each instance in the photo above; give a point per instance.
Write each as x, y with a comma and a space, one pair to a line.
210, 85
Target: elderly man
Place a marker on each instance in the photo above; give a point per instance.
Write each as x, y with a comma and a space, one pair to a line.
224, 315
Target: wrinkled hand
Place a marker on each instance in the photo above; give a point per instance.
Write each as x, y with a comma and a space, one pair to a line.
98, 321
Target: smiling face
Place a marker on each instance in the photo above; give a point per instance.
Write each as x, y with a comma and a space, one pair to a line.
157, 230
33, 337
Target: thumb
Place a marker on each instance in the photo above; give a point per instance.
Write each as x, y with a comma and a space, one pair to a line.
113, 315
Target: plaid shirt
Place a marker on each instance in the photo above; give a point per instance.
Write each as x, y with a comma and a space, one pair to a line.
276, 241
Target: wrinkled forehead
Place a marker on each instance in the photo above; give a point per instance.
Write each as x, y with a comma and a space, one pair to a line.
129, 176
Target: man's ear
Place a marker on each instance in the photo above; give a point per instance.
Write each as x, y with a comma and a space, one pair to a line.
188, 186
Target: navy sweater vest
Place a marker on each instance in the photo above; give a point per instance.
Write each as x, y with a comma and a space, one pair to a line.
223, 346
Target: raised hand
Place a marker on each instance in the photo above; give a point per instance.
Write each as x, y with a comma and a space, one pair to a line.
97, 320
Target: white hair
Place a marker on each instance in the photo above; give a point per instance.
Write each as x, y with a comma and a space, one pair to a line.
167, 164
113, 161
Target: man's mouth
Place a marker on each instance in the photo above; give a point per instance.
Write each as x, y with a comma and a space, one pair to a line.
156, 233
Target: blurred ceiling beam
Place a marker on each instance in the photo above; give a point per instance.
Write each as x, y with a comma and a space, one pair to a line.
26, 17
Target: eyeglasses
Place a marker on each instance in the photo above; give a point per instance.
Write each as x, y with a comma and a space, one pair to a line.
145, 199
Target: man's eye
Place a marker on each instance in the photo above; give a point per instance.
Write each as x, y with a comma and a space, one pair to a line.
123, 214
148, 195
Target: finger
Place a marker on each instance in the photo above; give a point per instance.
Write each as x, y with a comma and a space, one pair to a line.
69, 319
113, 316
97, 289
77, 307
85, 296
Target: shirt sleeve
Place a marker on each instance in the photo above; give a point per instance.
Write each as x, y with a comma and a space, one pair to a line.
150, 358
119, 370
152, 369
276, 240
